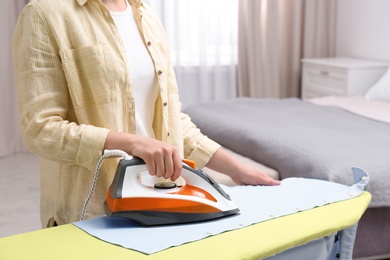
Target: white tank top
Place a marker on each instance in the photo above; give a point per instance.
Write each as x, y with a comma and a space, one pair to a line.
143, 77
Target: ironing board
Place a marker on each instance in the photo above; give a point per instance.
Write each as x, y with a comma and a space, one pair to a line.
257, 241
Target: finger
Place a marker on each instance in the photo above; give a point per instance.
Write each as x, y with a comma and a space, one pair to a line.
177, 166
269, 181
169, 167
238, 182
151, 166
160, 166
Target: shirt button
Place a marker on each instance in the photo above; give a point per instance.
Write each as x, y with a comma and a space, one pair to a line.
149, 43
168, 133
159, 72
165, 104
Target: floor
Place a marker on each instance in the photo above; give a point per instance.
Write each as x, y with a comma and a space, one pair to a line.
19, 194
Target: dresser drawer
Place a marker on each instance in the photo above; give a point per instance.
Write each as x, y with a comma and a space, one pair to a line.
339, 76
329, 80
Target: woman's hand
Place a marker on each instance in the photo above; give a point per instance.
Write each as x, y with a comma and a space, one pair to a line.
162, 159
250, 176
240, 173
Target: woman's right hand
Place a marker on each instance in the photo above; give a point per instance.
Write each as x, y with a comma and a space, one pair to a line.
162, 159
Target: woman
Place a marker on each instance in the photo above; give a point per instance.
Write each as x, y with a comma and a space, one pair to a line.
94, 75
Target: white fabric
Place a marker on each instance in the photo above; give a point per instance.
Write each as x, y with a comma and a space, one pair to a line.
376, 110
380, 91
142, 72
276, 201
203, 43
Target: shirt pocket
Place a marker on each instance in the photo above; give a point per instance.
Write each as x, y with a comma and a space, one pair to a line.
90, 74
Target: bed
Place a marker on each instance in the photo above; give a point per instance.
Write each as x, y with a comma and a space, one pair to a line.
318, 138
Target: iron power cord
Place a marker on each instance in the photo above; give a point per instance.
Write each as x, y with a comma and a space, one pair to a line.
106, 154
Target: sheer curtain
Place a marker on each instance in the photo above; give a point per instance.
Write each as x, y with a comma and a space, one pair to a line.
203, 40
10, 140
274, 35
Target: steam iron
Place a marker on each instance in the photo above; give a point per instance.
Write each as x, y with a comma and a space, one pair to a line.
150, 201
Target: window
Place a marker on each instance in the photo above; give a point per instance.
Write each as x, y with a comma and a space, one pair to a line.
200, 33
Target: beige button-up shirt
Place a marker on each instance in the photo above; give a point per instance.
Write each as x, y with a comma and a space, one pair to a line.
73, 86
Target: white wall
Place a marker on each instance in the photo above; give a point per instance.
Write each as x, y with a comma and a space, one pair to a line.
363, 29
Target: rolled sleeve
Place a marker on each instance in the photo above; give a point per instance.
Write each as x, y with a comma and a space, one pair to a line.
91, 144
197, 146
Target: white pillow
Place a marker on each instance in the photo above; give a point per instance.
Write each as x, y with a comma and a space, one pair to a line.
380, 91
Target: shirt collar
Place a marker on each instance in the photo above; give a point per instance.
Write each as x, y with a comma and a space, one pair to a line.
136, 2
81, 2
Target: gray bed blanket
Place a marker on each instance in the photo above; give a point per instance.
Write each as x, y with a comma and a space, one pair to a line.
300, 139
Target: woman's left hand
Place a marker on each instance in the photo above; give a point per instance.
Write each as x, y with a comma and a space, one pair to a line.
241, 174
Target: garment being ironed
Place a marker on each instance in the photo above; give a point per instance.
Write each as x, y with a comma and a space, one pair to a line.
73, 86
